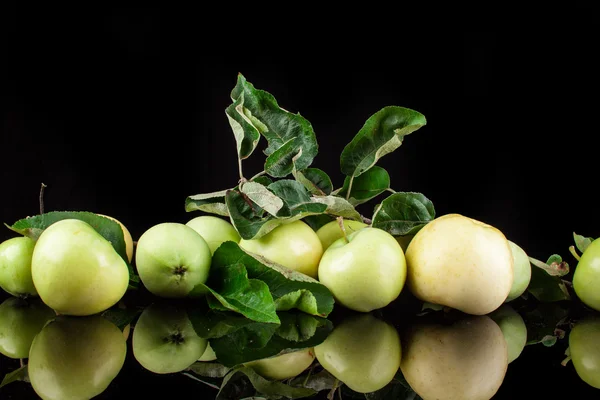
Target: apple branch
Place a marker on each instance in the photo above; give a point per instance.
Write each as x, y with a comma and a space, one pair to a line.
42, 198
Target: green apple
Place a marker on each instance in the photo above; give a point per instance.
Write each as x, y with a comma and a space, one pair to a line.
293, 245
209, 354
76, 357
362, 351
172, 259
331, 231
514, 329
76, 271
586, 278
20, 321
466, 359
521, 272
164, 340
365, 272
461, 263
283, 366
584, 349
126, 236
15, 266
214, 230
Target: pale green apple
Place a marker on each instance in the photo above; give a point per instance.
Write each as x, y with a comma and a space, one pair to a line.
164, 340
76, 271
461, 263
76, 357
331, 231
466, 359
364, 272
20, 321
15, 266
584, 349
521, 272
214, 230
172, 260
283, 366
514, 329
209, 354
362, 351
586, 278
293, 245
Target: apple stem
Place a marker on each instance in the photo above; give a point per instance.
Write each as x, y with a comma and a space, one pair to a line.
240, 170
340, 221
21, 362
574, 252
391, 190
42, 198
366, 220
336, 385
349, 187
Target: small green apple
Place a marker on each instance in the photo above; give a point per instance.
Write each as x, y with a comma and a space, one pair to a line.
15, 266
362, 351
365, 272
283, 366
76, 271
172, 259
214, 230
465, 359
461, 263
586, 278
514, 329
331, 231
76, 357
164, 340
293, 245
584, 349
521, 272
209, 354
20, 321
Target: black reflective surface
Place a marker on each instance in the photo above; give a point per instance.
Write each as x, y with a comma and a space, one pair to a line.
441, 351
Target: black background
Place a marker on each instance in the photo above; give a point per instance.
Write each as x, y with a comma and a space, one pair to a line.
121, 112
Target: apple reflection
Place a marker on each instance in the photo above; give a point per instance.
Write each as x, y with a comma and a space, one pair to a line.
76, 357
362, 351
20, 321
584, 349
463, 359
164, 340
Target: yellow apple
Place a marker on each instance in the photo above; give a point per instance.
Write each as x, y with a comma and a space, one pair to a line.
331, 231
461, 263
283, 366
293, 245
467, 359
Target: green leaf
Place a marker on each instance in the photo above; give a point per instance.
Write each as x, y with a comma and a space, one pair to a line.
555, 266
236, 340
263, 180
315, 180
317, 221
285, 132
381, 134
248, 217
271, 388
546, 287
403, 213
15, 376
338, 206
121, 317
582, 242
213, 203
235, 386
209, 369
109, 229
262, 197
234, 290
246, 133
372, 183
290, 289
322, 380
